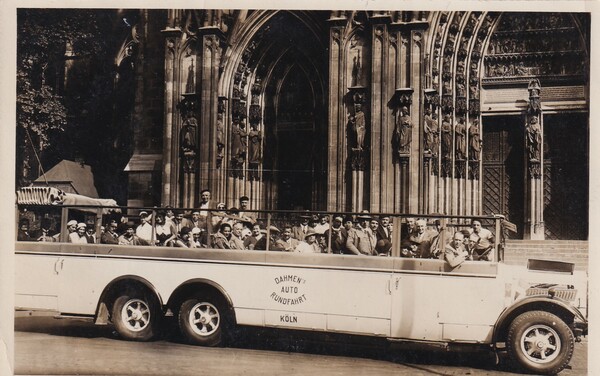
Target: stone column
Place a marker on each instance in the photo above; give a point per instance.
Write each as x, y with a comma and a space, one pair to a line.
534, 146
337, 156
209, 57
170, 176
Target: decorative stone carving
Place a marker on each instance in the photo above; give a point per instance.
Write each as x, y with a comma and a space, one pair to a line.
474, 141
431, 133
239, 140
188, 144
534, 89
404, 129
446, 135
356, 70
460, 134
534, 139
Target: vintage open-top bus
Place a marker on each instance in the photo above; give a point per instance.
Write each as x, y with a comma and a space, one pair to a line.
534, 313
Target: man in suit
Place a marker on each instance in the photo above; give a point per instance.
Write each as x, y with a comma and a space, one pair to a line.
205, 203
384, 231
422, 239
247, 217
361, 240
300, 230
287, 243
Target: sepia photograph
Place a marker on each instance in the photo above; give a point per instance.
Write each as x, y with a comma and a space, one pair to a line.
265, 190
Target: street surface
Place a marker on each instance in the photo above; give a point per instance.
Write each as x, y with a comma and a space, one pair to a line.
44, 345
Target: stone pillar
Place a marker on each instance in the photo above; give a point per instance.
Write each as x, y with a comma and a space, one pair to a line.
337, 156
170, 166
209, 57
534, 146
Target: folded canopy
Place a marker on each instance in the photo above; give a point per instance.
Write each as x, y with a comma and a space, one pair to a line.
54, 196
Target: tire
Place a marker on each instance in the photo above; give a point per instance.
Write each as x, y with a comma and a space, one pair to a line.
540, 342
202, 320
135, 316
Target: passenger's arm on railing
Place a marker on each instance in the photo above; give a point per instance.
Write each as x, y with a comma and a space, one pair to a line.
351, 242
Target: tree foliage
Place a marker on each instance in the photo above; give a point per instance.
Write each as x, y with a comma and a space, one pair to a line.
47, 41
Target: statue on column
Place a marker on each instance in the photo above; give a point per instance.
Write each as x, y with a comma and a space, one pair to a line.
461, 139
356, 70
188, 143
431, 132
474, 141
446, 136
360, 126
405, 131
534, 139
238, 148
254, 138
220, 138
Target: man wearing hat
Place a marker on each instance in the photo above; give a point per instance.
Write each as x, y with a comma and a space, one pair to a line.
309, 245
301, 229
71, 228
261, 244
45, 231
359, 239
90, 234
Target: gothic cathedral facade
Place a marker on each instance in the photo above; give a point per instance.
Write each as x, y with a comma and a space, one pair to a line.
459, 113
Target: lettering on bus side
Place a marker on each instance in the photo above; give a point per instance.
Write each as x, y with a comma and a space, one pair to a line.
288, 290
289, 319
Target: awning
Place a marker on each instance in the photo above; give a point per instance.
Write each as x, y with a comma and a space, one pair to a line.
56, 197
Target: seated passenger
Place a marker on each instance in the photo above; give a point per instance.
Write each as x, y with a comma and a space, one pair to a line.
222, 237
359, 238
23, 233
336, 235
79, 235
309, 245
44, 235
129, 237
485, 244
301, 229
184, 240
261, 244
323, 224
144, 230
287, 243
422, 238
255, 236
455, 252
90, 234
383, 247
110, 236
165, 232
384, 230
236, 242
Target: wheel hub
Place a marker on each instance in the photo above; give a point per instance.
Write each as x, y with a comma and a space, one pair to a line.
540, 343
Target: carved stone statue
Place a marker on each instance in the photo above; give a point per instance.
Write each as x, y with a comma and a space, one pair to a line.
356, 70
428, 137
188, 143
534, 139
239, 141
474, 141
446, 136
254, 137
460, 132
405, 130
190, 87
360, 125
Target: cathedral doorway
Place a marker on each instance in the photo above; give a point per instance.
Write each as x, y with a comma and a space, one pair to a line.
504, 169
300, 151
566, 176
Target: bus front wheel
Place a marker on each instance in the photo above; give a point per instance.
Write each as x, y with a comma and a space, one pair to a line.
201, 320
135, 316
540, 342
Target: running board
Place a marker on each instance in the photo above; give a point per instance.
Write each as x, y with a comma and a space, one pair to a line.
411, 344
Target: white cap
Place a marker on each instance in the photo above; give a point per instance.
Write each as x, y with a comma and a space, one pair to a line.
196, 230
72, 222
81, 225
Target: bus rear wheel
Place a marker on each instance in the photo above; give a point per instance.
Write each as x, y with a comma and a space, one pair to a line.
540, 342
135, 316
202, 320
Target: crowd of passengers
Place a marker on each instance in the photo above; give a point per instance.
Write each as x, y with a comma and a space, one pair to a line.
237, 229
